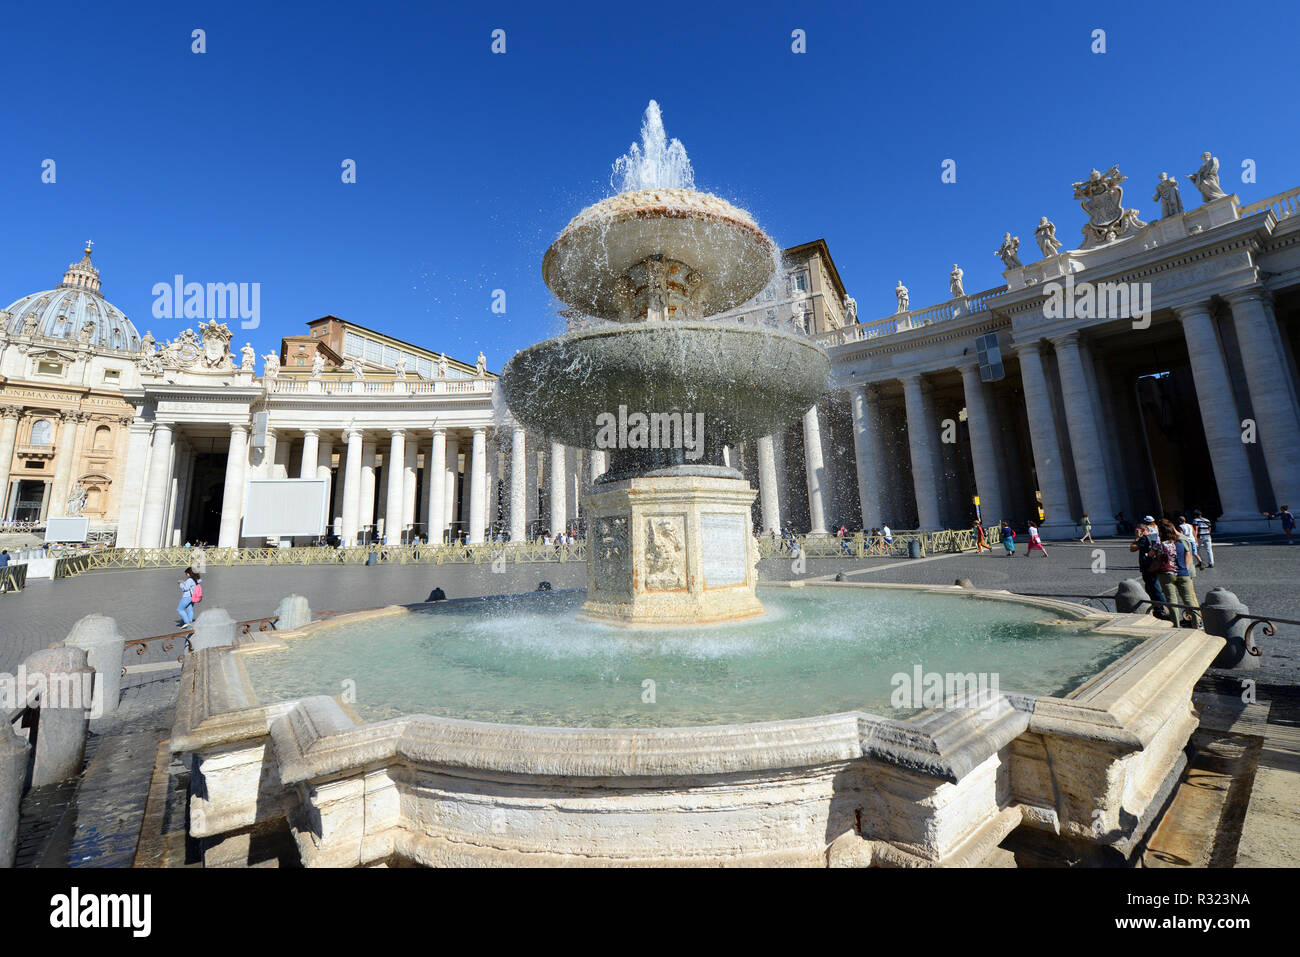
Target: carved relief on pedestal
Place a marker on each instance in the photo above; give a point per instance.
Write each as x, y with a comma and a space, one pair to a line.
665, 553
610, 541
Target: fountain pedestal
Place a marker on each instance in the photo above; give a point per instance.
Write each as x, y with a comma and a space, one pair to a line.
671, 549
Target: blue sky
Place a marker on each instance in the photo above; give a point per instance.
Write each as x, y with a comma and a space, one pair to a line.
225, 166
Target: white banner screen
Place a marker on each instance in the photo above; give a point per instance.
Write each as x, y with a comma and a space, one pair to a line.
280, 508
67, 529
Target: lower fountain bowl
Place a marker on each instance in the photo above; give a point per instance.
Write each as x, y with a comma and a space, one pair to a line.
746, 381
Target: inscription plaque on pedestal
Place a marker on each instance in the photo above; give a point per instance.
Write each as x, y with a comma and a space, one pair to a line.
724, 551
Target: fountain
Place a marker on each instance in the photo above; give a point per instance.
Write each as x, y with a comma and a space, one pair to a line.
664, 388
493, 731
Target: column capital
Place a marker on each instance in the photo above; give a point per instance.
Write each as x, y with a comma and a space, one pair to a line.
164, 426
311, 431
1255, 292
968, 366
352, 430
438, 430
1070, 339
1187, 310
10, 411
239, 427
1028, 346
397, 433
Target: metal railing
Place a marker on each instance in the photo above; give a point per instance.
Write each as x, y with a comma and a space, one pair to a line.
482, 553
71, 565
13, 578
861, 545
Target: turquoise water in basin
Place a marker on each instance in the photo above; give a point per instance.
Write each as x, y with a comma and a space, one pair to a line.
818, 650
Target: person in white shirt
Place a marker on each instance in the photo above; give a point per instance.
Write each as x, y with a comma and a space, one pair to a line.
1034, 541
1204, 544
1185, 530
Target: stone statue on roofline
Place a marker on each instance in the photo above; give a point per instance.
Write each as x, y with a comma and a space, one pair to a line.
954, 283
850, 310
1045, 235
1206, 179
317, 365
480, 366
1171, 203
354, 365
247, 358
1008, 252
442, 365
271, 365
399, 367
901, 292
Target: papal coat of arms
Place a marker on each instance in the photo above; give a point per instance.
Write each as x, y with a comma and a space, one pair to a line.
1102, 198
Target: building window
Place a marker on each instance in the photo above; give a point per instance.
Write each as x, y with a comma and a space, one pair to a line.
42, 432
60, 325
112, 375
49, 368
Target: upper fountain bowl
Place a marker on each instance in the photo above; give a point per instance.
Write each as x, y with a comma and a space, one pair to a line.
661, 253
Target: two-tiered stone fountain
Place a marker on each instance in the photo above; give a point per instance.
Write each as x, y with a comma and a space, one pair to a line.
669, 529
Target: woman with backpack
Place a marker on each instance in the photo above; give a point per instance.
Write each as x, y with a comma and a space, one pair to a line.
191, 593
1008, 537
1171, 565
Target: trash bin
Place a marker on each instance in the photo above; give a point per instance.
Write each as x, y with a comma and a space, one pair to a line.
914, 548
372, 558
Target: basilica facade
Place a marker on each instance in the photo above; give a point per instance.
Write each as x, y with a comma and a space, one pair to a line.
1150, 370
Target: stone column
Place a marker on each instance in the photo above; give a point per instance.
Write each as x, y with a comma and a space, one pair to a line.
410, 475
232, 499
1045, 440
307, 468
453, 471
768, 492
132, 502
325, 470
1219, 416
983, 444
559, 510
865, 404
478, 487
267, 467
518, 483
69, 432
366, 517
155, 496
283, 449
394, 467
920, 438
437, 478
1276, 416
1085, 435
9, 416
352, 486
815, 472
599, 463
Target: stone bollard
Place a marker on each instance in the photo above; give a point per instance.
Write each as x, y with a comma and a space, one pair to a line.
293, 612
213, 629
98, 636
13, 772
1129, 597
65, 685
1220, 612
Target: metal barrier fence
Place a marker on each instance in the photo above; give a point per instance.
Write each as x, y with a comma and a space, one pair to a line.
13, 578
485, 553
481, 554
71, 565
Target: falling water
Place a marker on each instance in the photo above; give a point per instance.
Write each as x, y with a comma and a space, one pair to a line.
656, 163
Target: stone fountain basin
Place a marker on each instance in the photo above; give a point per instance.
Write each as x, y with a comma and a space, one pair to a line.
941, 788
585, 265
746, 380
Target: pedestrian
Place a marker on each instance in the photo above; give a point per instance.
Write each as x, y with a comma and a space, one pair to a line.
1034, 541
1146, 543
1288, 523
981, 542
1086, 522
1204, 544
188, 584
1186, 531
4, 557
886, 534
1008, 536
1175, 576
